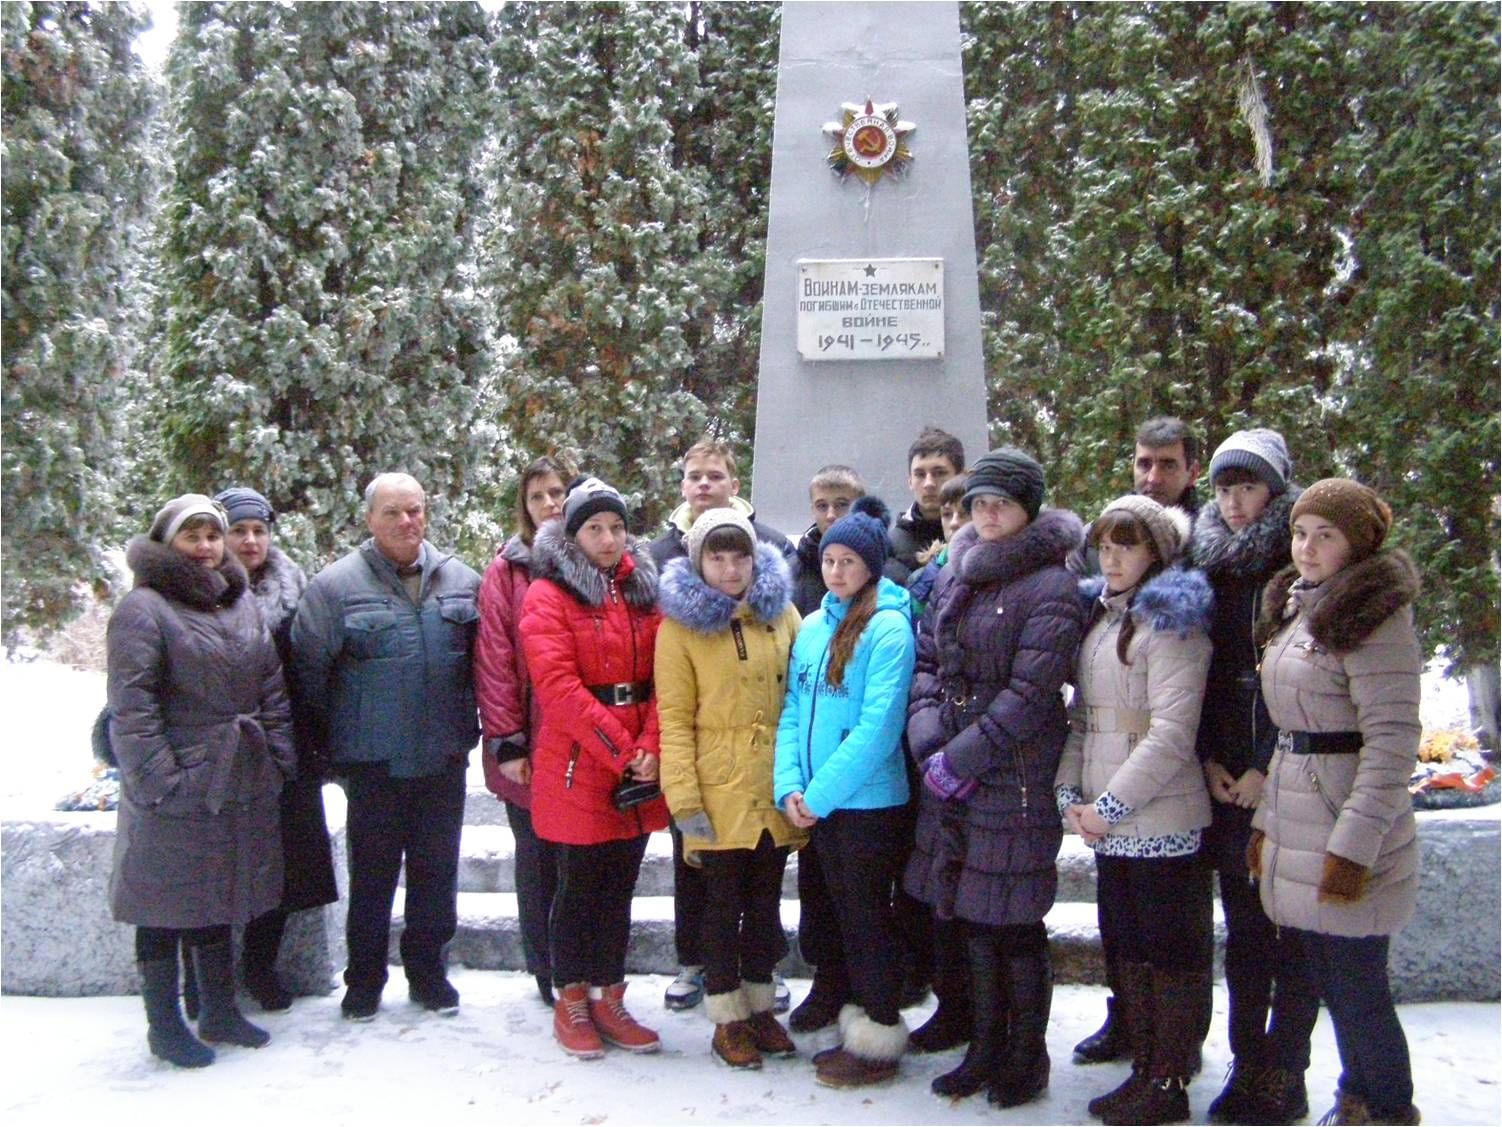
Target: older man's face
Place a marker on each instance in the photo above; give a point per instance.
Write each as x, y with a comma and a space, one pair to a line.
398, 521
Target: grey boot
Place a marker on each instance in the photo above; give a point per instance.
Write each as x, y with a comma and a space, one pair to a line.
166, 1033
221, 1019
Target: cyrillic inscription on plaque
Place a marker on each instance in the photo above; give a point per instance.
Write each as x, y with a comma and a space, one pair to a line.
871, 309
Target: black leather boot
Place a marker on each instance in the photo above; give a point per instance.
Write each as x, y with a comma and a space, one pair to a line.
1106, 1043
1024, 1066
166, 1033
263, 942
221, 1019
988, 1033
1164, 1098
949, 1027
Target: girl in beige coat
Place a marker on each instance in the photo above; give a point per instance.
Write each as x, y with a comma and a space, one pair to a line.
1334, 842
1130, 784
721, 672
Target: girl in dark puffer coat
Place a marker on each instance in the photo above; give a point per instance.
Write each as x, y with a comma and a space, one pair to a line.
986, 723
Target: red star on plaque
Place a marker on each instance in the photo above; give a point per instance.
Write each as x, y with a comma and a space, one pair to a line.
870, 141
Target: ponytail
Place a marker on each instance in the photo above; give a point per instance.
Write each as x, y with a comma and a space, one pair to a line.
848, 633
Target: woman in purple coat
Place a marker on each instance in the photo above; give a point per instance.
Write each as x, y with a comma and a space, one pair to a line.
986, 724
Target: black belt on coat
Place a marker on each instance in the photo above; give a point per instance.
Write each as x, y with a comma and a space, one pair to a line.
623, 692
1325, 743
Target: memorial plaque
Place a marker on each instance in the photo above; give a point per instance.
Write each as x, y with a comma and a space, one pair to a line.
871, 309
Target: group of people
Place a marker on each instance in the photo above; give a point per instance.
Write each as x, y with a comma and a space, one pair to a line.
920, 709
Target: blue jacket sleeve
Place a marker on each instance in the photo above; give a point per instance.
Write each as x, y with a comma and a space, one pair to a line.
883, 714
787, 766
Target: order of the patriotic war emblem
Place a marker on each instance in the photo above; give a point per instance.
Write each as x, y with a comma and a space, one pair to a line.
869, 141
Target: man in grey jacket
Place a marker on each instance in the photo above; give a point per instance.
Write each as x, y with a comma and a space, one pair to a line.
382, 644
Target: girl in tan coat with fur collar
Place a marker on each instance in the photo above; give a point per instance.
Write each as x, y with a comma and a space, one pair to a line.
1334, 841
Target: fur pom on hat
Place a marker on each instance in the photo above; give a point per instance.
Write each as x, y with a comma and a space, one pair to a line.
1168, 526
864, 531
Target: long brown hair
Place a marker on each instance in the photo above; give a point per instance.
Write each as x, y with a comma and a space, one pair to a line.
1126, 530
848, 633
539, 468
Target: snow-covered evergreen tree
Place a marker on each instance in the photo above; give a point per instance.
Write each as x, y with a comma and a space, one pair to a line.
323, 323
78, 177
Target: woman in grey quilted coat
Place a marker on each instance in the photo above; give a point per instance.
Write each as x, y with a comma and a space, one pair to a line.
1334, 843
200, 725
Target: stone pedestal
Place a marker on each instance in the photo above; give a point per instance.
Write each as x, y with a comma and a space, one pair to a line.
865, 413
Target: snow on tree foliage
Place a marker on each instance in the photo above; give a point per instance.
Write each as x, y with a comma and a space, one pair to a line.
79, 174
323, 324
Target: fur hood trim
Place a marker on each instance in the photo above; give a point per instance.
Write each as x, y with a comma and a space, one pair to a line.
278, 587
173, 575
560, 559
1175, 601
690, 601
1348, 606
1043, 543
517, 552
1262, 545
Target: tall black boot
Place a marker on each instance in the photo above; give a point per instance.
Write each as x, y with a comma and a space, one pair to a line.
263, 942
949, 1027
166, 1033
1164, 1098
988, 1006
1134, 1017
1025, 1065
221, 1019
190, 981
1107, 1042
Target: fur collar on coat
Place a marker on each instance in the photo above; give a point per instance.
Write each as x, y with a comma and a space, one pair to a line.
1172, 602
1047, 541
560, 559
173, 575
277, 587
517, 552
1217, 551
1353, 602
688, 600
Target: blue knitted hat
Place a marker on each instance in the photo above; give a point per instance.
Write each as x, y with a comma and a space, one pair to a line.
864, 531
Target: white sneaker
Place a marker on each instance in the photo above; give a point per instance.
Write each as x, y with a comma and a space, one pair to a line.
686, 991
782, 997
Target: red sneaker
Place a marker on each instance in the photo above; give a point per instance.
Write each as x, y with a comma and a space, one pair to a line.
571, 1025
617, 1027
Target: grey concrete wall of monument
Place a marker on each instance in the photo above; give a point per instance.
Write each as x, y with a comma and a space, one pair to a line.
865, 412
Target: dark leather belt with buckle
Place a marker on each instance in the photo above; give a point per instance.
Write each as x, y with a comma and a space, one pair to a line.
1326, 743
625, 692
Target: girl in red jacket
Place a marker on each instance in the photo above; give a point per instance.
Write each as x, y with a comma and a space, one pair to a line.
509, 713
589, 626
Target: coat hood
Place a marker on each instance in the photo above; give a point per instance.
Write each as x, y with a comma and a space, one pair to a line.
517, 552
1350, 604
167, 571
560, 559
688, 600
1172, 602
1258, 547
1045, 542
683, 516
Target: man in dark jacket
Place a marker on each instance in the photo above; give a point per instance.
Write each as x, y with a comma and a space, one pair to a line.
382, 643
1165, 465
934, 457
832, 491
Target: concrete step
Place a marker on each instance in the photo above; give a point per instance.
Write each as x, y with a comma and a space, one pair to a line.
488, 937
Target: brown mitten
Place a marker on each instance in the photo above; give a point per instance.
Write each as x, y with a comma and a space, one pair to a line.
1343, 881
1254, 855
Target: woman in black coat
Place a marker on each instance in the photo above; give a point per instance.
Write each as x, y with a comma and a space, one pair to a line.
986, 723
308, 862
200, 725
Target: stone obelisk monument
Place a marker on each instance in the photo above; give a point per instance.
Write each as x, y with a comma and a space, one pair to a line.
871, 313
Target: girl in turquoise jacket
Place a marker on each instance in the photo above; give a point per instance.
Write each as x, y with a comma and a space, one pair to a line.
840, 774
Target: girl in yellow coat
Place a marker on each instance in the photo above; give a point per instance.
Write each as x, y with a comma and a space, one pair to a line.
721, 674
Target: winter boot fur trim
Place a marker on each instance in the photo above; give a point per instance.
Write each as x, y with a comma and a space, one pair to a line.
727, 1007
872, 1041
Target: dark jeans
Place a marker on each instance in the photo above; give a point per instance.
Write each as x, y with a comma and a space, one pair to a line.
590, 925
855, 856
390, 820
1351, 976
1156, 910
156, 943
688, 906
742, 938
536, 878
1271, 1000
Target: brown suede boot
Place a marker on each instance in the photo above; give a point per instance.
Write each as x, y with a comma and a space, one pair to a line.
869, 1054
733, 1041
1164, 1098
1134, 1015
771, 1038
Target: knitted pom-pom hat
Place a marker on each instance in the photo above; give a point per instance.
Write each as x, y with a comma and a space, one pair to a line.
864, 531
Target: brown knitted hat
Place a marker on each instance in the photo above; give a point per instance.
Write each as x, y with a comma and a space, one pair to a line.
1353, 508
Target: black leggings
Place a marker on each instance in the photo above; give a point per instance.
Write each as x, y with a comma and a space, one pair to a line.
156, 943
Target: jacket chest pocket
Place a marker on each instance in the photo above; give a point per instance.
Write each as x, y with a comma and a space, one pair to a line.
460, 618
371, 633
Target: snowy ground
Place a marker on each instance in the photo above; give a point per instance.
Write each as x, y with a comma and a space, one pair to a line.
72, 1059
